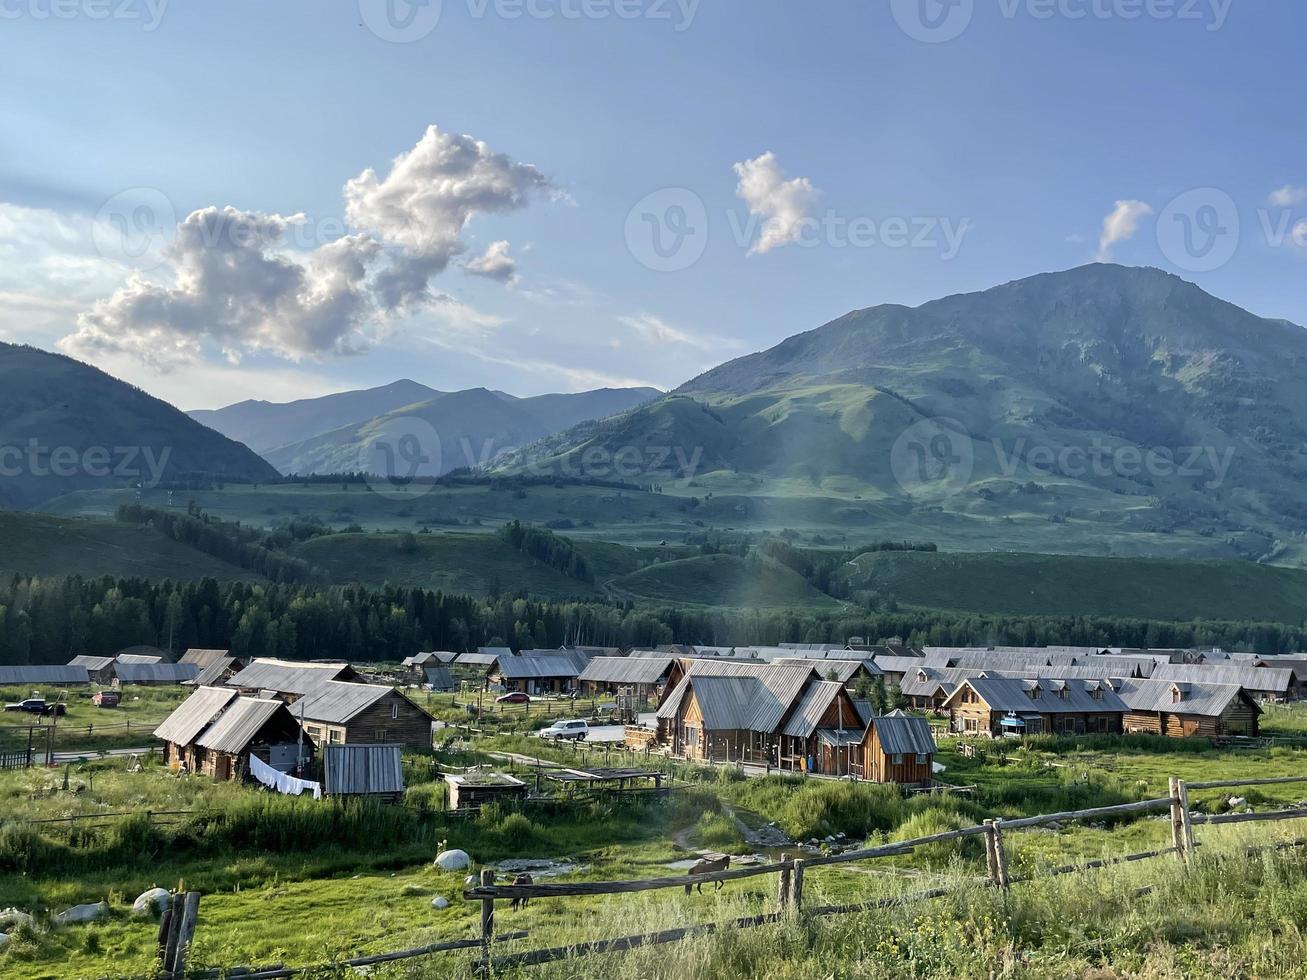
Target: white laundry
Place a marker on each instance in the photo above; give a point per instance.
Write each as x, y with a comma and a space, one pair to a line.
282, 782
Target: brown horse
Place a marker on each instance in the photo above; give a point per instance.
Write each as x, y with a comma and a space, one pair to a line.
521, 903
707, 866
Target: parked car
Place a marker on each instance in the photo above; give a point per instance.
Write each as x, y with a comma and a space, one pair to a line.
38, 706
560, 731
106, 699
514, 697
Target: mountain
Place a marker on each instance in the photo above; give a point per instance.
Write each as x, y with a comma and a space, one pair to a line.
472, 427
264, 425
1123, 397
66, 426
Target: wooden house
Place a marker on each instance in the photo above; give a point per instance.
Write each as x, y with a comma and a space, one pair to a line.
1262, 683
341, 713
98, 669
553, 673
153, 674
436, 677
28, 675
288, 680
645, 679
823, 731
202, 658
899, 748
216, 730
1181, 709
218, 672
1007, 706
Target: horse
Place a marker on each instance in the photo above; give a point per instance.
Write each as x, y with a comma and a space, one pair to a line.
521, 902
707, 866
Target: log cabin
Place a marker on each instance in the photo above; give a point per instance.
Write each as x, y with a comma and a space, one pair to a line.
1181, 710
339, 712
216, 730
899, 748
645, 679
1011, 707
288, 680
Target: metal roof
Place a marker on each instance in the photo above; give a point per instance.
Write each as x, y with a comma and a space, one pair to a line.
194, 714
757, 698
202, 658
478, 659
898, 665
241, 722
1275, 679
439, 677
44, 674
1198, 698
627, 670
1013, 694
351, 770
287, 676
725, 702
520, 667
495, 651
138, 658
817, 698
904, 735
212, 674
926, 682
157, 673
844, 670
91, 663
336, 702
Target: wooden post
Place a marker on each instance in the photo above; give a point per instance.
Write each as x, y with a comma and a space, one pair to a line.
796, 887
1000, 857
991, 858
783, 885
487, 919
1186, 820
185, 933
1177, 820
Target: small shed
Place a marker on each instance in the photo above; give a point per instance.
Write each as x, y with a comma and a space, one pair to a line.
471, 791
438, 678
374, 771
98, 669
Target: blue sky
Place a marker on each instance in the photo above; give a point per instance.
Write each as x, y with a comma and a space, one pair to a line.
993, 155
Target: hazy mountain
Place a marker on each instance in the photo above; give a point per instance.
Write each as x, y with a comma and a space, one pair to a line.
1104, 394
264, 425
473, 427
66, 426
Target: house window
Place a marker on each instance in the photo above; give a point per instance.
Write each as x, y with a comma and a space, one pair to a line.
381, 734
896, 759
394, 711
922, 759
335, 736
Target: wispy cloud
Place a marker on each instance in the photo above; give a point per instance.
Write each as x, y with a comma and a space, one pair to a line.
1120, 225
1289, 196
495, 263
784, 205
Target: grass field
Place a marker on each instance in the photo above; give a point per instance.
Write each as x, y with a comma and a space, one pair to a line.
1146, 588
39, 544
86, 727
722, 580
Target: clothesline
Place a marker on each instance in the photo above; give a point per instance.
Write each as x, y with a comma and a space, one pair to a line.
280, 781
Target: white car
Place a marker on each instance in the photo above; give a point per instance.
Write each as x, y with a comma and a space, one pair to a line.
560, 731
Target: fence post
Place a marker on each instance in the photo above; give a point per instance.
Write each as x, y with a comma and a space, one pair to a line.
783, 885
1186, 820
796, 886
487, 920
1177, 821
991, 859
1000, 856
185, 933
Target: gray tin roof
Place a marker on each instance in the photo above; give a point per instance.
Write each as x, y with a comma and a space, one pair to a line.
158, 673
194, 714
627, 670
904, 735
351, 770
239, 723
44, 674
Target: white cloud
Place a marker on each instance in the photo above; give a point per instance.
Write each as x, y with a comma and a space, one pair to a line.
495, 263
658, 331
1120, 225
784, 205
232, 282
1289, 196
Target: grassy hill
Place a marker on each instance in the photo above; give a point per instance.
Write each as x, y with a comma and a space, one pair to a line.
1145, 588
722, 580
39, 544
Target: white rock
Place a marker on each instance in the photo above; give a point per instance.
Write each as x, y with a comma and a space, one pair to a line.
471, 881
454, 860
11, 919
82, 913
440, 902
4, 940
1238, 801
155, 901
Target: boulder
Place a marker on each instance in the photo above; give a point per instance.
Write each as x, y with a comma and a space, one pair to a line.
153, 902
11, 919
440, 902
4, 940
454, 860
82, 913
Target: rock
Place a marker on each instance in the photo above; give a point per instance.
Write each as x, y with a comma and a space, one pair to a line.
82, 913
153, 902
440, 902
11, 919
471, 881
4, 940
454, 860
1238, 801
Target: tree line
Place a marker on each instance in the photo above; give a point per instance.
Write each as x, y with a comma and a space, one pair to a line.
52, 620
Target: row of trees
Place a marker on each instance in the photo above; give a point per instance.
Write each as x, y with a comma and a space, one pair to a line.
52, 620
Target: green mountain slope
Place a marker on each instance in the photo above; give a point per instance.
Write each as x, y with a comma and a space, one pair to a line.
95, 431
1144, 588
722, 580
1123, 398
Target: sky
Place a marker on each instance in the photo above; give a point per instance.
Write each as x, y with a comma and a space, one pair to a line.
244, 199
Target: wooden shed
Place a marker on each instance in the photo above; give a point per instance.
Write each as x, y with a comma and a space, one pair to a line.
339, 713
374, 771
215, 731
899, 748
471, 791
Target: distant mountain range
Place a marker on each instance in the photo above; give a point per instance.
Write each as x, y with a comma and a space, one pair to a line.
1120, 396
67, 426
335, 433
